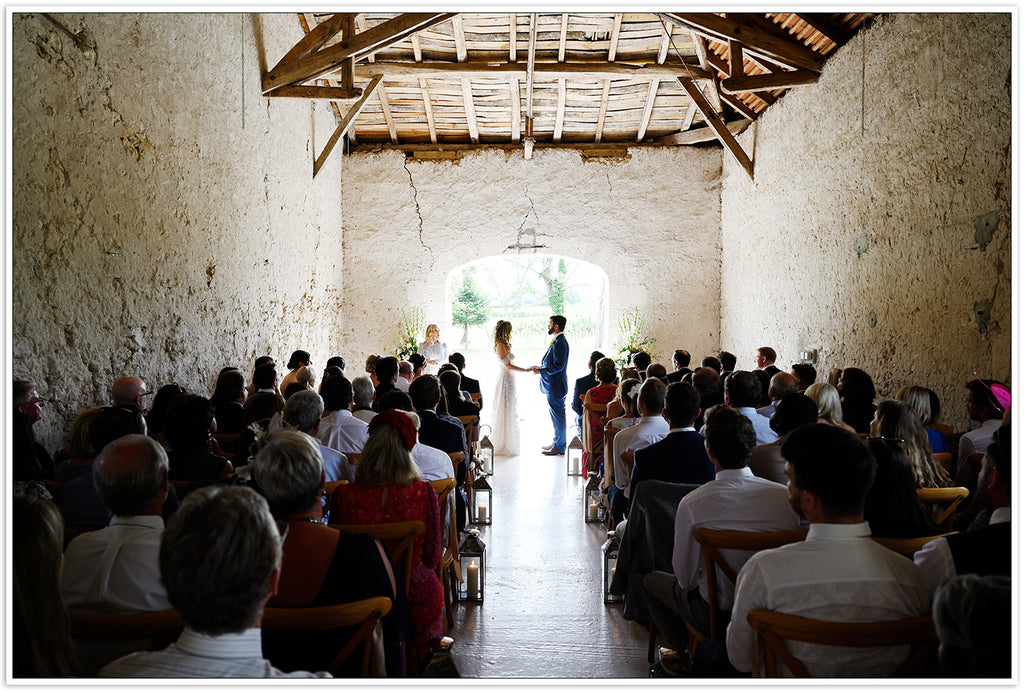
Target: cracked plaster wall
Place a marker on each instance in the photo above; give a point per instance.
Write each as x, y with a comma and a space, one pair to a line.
165, 223
879, 221
651, 222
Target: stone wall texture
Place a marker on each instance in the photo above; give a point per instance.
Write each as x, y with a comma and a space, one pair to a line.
877, 227
651, 222
165, 220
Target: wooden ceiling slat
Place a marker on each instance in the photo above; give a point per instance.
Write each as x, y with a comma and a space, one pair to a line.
596, 70
428, 110
513, 37
386, 112
652, 94
603, 110
460, 38
560, 112
613, 42
467, 95
666, 39
561, 39
516, 119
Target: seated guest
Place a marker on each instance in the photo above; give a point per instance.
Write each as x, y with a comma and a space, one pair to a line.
387, 374
793, 411
988, 549
857, 393
418, 362
433, 463
641, 361
328, 373
897, 420
451, 395
765, 381
339, 429
306, 377
708, 384
468, 383
892, 508
81, 451
933, 422
187, 429
625, 395
116, 570
362, 398
726, 364
388, 488
973, 616
320, 565
982, 407
680, 456
31, 461
220, 561
264, 380
656, 369
602, 394
440, 431
404, 375
917, 398
228, 401
830, 409
335, 361
259, 409
742, 392
836, 574
680, 366
734, 500
651, 428
582, 386
158, 411
293, 389
299, 358
303, 412
779, 385
129, 391
371, 368
765, 360
805, 375
262, 361
41, 640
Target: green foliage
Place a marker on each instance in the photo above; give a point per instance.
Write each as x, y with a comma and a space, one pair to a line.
412, 330
469, 305
631, 325
556, 284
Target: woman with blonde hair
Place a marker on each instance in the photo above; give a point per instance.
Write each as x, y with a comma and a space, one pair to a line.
389, 488
918, 398
505, 420
830, 409
897, 420
434, 352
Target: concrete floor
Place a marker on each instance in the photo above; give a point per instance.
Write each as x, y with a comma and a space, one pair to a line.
543, 613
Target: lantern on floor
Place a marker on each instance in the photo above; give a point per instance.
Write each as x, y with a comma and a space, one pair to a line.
485, 456
593, 510
574, 457
610, 555
471, 558
480, 512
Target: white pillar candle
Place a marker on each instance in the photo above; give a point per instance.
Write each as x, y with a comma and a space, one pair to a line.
481, 514
592, 512
473, 580
575, 465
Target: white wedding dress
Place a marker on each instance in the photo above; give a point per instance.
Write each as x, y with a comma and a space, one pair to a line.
505, 432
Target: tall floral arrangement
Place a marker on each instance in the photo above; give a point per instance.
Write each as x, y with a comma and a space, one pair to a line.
631, 325
412, 329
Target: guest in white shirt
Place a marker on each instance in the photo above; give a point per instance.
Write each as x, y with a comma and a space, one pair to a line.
220, 560
362, 398
651, 428
404, 375
339, 429
303, 411
781, 384
742, 392
981, 407
116, 570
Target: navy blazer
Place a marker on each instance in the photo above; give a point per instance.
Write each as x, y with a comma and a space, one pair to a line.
472, 386
680, 457
440, 433
583, 385
552, 368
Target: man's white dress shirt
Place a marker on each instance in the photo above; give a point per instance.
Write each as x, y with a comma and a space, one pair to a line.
343, 432
336, 466
977, 440
116, 570
935, 560
434, 463
200, 655
644, 433
734, 500
837, 574
364, 415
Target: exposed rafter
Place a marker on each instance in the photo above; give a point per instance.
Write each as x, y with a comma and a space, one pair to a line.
345, 124
596, 69
721, 131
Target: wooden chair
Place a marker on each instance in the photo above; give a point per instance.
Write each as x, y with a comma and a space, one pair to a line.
943, 501
329, 487
945, 460
448, 568
712, 542
609, 439
476, 399
353, 458
907, 546
771, 628
593, 414
100, 639
471, 428
306, 620
398, 537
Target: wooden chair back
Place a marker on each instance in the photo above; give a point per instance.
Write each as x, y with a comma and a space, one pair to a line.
398, 536
329, 487
305, 620
101, 639
609, 439
945, 460
944, 501
907, 546
471, 428
593, 415
448, 567
713, 541
771, 629
476, 398
353, 458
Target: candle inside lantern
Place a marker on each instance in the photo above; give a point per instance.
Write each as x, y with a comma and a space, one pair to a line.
473, 580
481, 514
592, 512
575, 465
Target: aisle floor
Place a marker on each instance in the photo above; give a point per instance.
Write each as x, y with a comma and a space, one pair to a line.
543, 614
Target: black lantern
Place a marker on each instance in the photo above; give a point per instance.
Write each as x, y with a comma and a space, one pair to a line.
574, 457
480, 508
471, 558
593, 507
610, 554
485, 457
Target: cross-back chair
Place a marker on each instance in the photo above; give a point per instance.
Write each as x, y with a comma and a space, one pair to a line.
943, 502
448, 569
397, 536
907, 546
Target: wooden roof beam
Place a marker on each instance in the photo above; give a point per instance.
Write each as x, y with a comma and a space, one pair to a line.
328, 60
666, 40
517, 117
735, 59
602, 111
645, 119
467, 99
700, 44
739, 106
562, 35
428, 109
314, 40
739, 27
333, 93
721, 131
345, 124
613, 44
385, 107
700, 135
513, 36
597, 69
767, 82
459, 34
687, 122
824, 25
560, 112
723, 67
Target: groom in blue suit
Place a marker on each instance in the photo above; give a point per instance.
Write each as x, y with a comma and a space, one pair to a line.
554, 383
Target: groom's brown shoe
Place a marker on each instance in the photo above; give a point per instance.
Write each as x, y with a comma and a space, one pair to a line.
553, 452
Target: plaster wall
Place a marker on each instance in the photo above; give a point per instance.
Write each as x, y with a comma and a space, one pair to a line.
165, 223
650, 222
877, 227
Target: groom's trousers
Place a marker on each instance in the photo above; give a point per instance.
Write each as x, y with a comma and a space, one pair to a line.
557, 406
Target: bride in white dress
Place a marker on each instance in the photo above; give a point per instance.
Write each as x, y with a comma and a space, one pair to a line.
505, 433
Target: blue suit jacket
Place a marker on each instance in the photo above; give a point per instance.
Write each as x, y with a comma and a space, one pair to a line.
679, 457
552, 368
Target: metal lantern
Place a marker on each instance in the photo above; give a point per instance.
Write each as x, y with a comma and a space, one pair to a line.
480, 511
471, 558
610, 555
485, 456
574, 457
593, 508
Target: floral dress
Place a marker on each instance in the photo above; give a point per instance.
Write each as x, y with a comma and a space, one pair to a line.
361, 503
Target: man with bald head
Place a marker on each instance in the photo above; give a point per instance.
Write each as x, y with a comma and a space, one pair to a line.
129, 391
116, 570
781, 384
